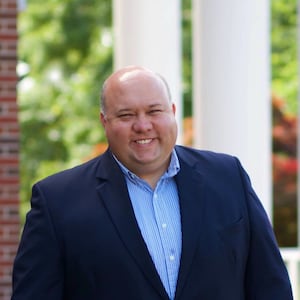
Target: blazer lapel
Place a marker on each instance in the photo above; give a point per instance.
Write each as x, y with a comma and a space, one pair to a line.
192, 207
114, 195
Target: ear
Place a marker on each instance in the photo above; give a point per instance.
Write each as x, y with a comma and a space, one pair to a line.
173, 108
102, 119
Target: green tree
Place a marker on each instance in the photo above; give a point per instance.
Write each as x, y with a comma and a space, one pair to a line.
187, 58
67, 48
285, 53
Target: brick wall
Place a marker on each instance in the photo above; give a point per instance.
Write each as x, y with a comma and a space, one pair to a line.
9, 145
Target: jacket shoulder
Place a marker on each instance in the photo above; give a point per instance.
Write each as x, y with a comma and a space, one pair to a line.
189, 154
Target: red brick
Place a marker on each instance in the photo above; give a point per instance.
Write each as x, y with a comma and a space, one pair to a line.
8, 4
7, 86
9, 145
7, 119
8, 28
8, 8
8, 68
8, 234
8, 24
8, 149
8, 108
8, 48
11, 97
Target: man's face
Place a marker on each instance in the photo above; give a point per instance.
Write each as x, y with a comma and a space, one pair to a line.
139, 122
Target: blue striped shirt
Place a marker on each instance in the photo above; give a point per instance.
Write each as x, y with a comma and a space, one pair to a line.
158, 215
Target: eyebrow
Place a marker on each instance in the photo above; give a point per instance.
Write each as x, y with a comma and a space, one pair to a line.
122, 110
148, 106
156, 104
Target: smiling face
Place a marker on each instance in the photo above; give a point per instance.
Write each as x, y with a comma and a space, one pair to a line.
139, 121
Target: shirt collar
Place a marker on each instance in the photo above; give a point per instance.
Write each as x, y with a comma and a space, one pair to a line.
172, 170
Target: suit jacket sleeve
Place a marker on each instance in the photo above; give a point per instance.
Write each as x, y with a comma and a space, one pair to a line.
266, 275
38, 271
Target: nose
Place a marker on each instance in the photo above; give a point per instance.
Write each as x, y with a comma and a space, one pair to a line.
142, 124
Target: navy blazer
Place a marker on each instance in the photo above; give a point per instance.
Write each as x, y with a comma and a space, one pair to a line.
81, 240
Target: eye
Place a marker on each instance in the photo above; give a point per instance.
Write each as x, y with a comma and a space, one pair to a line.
125, 116
154, 111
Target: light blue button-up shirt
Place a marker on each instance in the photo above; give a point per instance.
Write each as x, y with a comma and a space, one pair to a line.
158, 215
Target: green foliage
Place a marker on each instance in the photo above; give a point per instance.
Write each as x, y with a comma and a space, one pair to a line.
187, 57
63, 43
284, 52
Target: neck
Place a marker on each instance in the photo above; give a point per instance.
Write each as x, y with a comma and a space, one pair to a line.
151, 180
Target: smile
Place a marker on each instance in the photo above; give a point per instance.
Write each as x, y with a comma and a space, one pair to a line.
145, 141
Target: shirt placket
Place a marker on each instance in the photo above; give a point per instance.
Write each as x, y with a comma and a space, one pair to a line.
166, 231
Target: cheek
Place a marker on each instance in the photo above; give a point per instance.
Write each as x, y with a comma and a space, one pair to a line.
117, 132
167, 126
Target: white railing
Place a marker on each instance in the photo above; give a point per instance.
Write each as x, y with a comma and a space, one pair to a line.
291, 257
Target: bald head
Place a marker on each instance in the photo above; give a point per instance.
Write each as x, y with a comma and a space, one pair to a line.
139, 122
114, 83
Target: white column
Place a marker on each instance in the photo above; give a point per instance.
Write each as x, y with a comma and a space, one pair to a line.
232, 106
147, 33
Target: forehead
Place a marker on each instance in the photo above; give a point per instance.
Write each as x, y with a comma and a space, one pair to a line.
137, 102
134, 89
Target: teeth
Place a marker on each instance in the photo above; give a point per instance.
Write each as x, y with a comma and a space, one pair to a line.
147, 141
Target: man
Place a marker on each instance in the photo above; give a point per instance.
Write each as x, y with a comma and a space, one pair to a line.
147, 220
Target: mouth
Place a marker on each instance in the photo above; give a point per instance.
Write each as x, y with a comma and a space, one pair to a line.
144, 141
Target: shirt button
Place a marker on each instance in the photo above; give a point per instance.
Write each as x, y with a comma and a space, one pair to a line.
172, 257
164, 225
